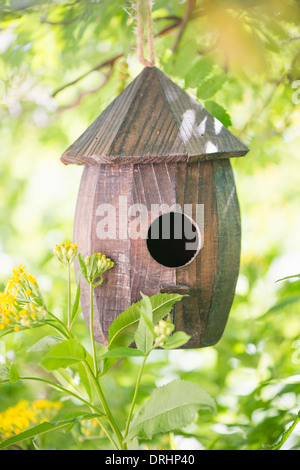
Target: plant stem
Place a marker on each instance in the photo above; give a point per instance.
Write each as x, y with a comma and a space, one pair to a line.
135, 395
69, 295
56, 328
108, 413
107, 434
68, 334
78, 397
92, 329
65, 390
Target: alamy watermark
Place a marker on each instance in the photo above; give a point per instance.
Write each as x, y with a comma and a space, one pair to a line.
296, 94
133, 221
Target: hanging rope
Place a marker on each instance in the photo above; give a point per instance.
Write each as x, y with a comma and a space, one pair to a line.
140, 34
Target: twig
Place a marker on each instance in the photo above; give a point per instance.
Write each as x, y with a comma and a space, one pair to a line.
190, 5
168, 29
263, 105
100, 66
63, 22
88, 92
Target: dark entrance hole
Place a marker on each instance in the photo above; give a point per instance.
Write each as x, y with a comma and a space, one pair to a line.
173, 239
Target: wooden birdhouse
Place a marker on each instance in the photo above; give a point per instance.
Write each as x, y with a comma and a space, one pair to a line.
155, 160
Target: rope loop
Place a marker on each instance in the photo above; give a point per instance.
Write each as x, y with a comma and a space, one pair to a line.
140, 34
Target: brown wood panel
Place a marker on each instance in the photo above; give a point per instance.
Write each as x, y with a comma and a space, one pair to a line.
113, 296
82, 233
229, 239
195, 184
152, 185
208, 256
187, 317
153, 120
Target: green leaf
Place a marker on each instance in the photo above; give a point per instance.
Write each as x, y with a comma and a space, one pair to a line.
170, 407
13, 374
76, 305
177, 340
199, 71
122, 331
286, 434
4, 373
280, 306
44, 428
210, 86
218, 112
63, 355
144, 334
45, 344
288, 277
123, 352
84, 378
83, 266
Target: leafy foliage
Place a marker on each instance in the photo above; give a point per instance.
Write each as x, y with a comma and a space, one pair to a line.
170, 407
53, 84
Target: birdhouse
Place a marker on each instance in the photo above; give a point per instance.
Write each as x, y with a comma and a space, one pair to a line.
158, 197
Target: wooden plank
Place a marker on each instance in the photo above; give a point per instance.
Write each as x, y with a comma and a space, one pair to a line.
82, 234
113, 296
208, 256
152, 121
152, 185
229, 236
187, 316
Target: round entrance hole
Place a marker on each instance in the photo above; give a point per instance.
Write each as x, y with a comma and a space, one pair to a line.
173, 239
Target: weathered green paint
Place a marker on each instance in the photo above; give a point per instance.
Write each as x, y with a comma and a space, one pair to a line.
229, 240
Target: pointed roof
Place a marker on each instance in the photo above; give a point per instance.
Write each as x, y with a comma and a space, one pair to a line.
153, 120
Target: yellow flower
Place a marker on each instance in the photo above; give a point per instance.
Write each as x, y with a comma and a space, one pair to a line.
23, 415
31, 279
43, 404
66, 252
5, 319
17, 276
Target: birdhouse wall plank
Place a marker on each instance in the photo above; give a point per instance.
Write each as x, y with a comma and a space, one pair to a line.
229, 245
210, 278
152, 184
195, 185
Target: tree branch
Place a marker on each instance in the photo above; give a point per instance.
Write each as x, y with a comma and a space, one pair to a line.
100, 66
177, 21
88, 92
190, 5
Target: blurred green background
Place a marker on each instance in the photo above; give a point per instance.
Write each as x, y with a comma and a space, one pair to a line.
61, 64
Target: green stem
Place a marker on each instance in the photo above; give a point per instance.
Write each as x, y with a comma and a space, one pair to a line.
64, 390
107, 434
56, 328
92, 329
78, 397
287, 433
135, 395
108, 413
69, 295
68, 334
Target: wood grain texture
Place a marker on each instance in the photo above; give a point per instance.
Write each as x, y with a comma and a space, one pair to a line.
209, 279
229, 240
152, 121
152, 185
195, 185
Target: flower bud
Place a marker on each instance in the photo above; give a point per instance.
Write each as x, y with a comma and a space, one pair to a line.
65, 252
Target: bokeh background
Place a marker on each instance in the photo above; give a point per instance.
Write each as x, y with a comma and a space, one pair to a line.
61, 64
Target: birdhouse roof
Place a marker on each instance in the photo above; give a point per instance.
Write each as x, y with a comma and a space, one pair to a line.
153, 120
